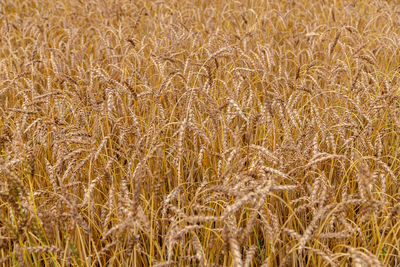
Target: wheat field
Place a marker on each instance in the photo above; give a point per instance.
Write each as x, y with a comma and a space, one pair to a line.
199, 133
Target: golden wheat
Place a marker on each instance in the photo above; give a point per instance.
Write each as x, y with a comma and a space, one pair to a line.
199, 133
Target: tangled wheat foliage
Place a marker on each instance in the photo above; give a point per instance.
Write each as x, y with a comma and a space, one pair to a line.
199, 133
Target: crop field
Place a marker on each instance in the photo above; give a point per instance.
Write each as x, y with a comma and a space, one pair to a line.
199, 133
